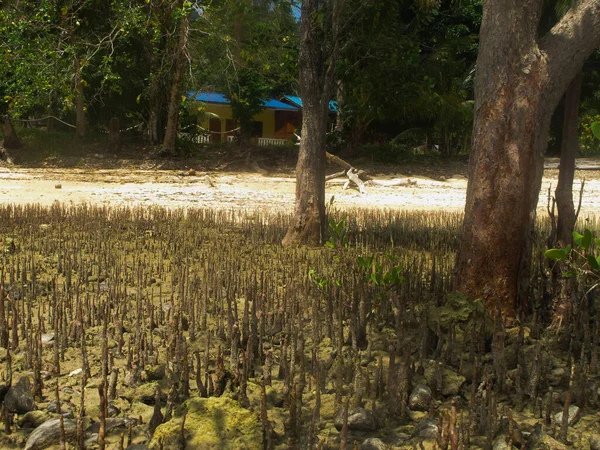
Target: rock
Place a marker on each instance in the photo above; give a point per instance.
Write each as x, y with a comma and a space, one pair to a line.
556, 376
58, 186
65, 407
216, 422
47, 338
359, 419
420, 398
34, 419
595, 442
137, 447
452, 382
91, 440
145, 393
113, 410
545, 442
155, 373
538, 440
111, 424
48, 434
500, 443
373, 444
426, 429
76, 372
18, 398
573, 416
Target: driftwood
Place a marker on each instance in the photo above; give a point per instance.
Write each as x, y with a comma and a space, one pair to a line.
358, 177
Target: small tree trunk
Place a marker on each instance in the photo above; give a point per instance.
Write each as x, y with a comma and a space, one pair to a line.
566, 174
168, 147
80, 124
11, 140
316, 78
114, 133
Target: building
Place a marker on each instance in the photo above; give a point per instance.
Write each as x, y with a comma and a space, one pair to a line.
275, 125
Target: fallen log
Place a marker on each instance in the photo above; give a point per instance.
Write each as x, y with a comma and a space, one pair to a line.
335, 175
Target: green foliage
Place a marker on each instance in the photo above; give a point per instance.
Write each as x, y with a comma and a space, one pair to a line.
581, 261
595, 127
337, 233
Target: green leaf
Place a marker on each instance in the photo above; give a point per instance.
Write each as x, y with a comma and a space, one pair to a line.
587, 239
596, 129
568, 274
593, 262
329, 244
577, 238
597, 242
558, 254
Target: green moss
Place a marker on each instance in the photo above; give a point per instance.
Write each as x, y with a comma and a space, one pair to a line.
210, 423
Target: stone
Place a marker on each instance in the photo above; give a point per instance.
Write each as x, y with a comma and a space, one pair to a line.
373, 444
137, 447
47, 338
111, 424
48, 434
65, 407
359, 419
113, 410
426, 429
452, 382
595, 442
500, 443
420, 398
34, 419
211, 423
145, 393
91, 440
155, 373
18, 398
545, 442
573, 416
557, 376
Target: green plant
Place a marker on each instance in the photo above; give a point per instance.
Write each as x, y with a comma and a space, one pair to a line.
338, 231
582, 260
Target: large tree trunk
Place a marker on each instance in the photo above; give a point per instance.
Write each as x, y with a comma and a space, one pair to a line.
520, 80
11, 140
570, 144
168, 147
309, 221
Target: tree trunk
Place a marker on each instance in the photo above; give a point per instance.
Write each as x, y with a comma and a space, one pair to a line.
570, 144
11, 140
168, 147
309, 221
519, 82
79, 102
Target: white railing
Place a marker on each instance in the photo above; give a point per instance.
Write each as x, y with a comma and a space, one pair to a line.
271, 141
202, 139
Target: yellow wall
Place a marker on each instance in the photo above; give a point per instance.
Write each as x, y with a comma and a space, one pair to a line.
267, 117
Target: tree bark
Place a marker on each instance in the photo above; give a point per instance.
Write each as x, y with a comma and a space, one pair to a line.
316, 78
168, 147
520, 80
11, 140
570, 144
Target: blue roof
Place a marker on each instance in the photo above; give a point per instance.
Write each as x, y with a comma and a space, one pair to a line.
297, 101
208, 97
213, 97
